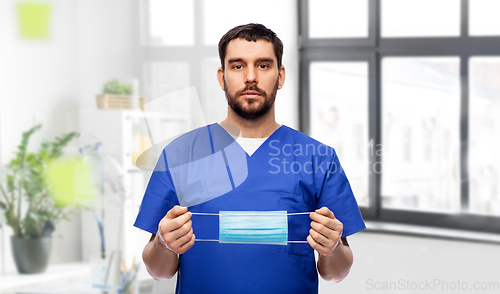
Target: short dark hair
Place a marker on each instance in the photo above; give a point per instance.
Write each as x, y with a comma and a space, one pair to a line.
251, 32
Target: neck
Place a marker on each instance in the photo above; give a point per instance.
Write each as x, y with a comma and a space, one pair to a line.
252, 128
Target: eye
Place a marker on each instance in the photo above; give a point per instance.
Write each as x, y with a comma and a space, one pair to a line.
263, 66
237, 67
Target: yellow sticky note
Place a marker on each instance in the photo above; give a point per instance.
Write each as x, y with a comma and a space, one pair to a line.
34, 19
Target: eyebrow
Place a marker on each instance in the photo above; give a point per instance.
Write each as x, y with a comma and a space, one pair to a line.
233, 60
270, 60
265, 59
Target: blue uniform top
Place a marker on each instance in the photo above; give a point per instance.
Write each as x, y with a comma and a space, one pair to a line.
289, 171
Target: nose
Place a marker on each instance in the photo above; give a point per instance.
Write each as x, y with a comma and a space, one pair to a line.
251, 76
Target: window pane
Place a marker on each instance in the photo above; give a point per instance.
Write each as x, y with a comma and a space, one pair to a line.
339, 117
484, 135
338, 19
422, 18
219, 16
420, 124
483, 18
171, 23
164, 78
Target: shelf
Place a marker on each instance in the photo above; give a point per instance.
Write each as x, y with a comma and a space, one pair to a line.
55, 273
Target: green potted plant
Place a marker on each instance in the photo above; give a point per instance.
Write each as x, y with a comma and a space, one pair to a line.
116, 87
27, 202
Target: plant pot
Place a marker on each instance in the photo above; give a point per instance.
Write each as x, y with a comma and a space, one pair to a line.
31, 255
117, 102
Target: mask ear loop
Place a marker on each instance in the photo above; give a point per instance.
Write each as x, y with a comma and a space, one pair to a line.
213, 240
206, 213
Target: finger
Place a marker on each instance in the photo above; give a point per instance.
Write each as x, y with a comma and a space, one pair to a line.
176, 223
326, 212
316, 246
325, 231
178, 233
188, 245
320, 239
176, 211
181, 240
331, 223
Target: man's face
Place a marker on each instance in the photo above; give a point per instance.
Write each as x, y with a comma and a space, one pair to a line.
251, 77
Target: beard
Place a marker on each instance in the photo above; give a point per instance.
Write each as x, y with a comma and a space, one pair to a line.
254, 109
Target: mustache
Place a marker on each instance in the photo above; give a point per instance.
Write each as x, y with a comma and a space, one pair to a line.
251, 87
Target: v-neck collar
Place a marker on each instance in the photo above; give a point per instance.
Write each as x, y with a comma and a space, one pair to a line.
260, 147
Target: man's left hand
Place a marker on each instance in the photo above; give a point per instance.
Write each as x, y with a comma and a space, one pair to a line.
325, 231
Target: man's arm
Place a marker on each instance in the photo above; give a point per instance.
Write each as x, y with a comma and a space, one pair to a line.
335, 256
175, 236
335, 266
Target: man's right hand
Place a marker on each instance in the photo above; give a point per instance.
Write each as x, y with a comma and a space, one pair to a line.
175, 230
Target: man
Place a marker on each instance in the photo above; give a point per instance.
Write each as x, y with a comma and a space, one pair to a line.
282, 170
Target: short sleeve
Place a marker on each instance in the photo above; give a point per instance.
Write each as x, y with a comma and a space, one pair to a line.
337, 195
158, 199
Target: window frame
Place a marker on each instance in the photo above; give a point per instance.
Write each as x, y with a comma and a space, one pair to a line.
373, 49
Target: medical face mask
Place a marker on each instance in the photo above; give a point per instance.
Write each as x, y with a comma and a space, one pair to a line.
253, 227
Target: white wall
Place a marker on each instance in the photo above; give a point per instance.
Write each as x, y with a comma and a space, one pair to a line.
47, 81
105, 42
39, 84
39, 77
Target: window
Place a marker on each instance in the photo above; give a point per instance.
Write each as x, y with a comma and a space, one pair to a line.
164, 17
410, 104
420, 18
178, 47
484, 20
421, 95
219, 16
338, 18
484, 137
339, 116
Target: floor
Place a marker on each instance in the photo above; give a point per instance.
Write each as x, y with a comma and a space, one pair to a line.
387, 263
405, 264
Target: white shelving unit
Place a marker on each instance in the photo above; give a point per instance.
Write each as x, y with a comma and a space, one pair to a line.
123, 134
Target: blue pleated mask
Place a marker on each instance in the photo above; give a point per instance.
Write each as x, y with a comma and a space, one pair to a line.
253, 227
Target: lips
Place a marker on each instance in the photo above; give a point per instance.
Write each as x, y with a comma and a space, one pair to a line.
251, 94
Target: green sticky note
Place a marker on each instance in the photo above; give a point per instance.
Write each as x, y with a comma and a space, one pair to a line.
71, 181
34, 19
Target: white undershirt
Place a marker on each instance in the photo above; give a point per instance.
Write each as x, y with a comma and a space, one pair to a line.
250, 145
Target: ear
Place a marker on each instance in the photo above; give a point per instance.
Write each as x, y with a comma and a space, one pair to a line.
281, 77
220, 78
